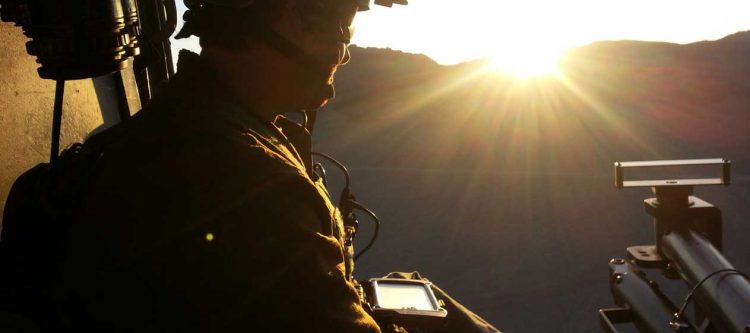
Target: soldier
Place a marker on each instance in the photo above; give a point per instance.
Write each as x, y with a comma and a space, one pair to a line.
224, 226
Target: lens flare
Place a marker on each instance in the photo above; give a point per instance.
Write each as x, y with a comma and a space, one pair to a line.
526, 63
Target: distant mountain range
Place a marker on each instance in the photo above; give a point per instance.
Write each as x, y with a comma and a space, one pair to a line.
501, 190
641, 100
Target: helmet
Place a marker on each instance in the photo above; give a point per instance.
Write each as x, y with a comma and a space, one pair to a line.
363, 4
313, 7
231, 23
247, 17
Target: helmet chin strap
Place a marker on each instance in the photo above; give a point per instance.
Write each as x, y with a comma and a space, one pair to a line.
289, 49
292, 50
311, 115
305, 59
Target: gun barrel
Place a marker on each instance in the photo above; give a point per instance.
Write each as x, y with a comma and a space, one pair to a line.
724, 297
647, 307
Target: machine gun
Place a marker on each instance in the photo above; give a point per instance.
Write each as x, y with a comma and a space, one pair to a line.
688, 248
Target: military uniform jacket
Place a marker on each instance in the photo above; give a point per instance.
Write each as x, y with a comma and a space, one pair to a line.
200, 216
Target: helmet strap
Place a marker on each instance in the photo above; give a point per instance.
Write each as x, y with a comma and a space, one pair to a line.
285, 46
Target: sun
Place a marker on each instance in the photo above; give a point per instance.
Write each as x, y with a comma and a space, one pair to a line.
525, 63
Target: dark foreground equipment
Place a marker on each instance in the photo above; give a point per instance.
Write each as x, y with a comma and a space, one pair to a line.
688, 244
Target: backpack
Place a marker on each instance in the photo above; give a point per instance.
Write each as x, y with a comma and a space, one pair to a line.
41, 206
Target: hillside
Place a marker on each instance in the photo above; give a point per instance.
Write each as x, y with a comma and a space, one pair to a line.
500, 191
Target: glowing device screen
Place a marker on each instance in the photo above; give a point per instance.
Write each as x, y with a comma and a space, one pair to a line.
404, 296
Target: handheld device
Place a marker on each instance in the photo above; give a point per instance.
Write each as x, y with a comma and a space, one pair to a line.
408, 303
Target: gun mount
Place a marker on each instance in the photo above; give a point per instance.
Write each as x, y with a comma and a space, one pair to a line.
688, 247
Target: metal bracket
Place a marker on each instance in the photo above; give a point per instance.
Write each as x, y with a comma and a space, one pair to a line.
646, 256
704, 218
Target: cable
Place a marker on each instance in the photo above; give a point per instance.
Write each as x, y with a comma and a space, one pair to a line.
347, 203
304, 121
689, 297
321, 172
57, 120
56, 125
337, 163
375, 233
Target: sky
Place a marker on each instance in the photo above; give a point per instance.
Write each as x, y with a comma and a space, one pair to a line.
453, 31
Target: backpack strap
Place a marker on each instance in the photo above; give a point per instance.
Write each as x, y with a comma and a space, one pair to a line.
37, 214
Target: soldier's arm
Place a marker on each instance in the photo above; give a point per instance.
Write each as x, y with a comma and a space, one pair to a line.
293, 265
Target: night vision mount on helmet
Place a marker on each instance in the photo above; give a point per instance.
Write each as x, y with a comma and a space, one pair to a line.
314, 8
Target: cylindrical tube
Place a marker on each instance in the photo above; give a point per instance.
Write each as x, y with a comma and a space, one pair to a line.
651, 310
725, 297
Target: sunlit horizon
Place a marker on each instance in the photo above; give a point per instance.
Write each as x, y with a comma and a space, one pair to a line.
450, 32
526, 38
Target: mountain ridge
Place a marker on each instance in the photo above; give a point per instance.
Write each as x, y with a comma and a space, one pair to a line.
731, 40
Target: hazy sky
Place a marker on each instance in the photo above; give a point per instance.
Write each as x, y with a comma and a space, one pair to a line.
451, 31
